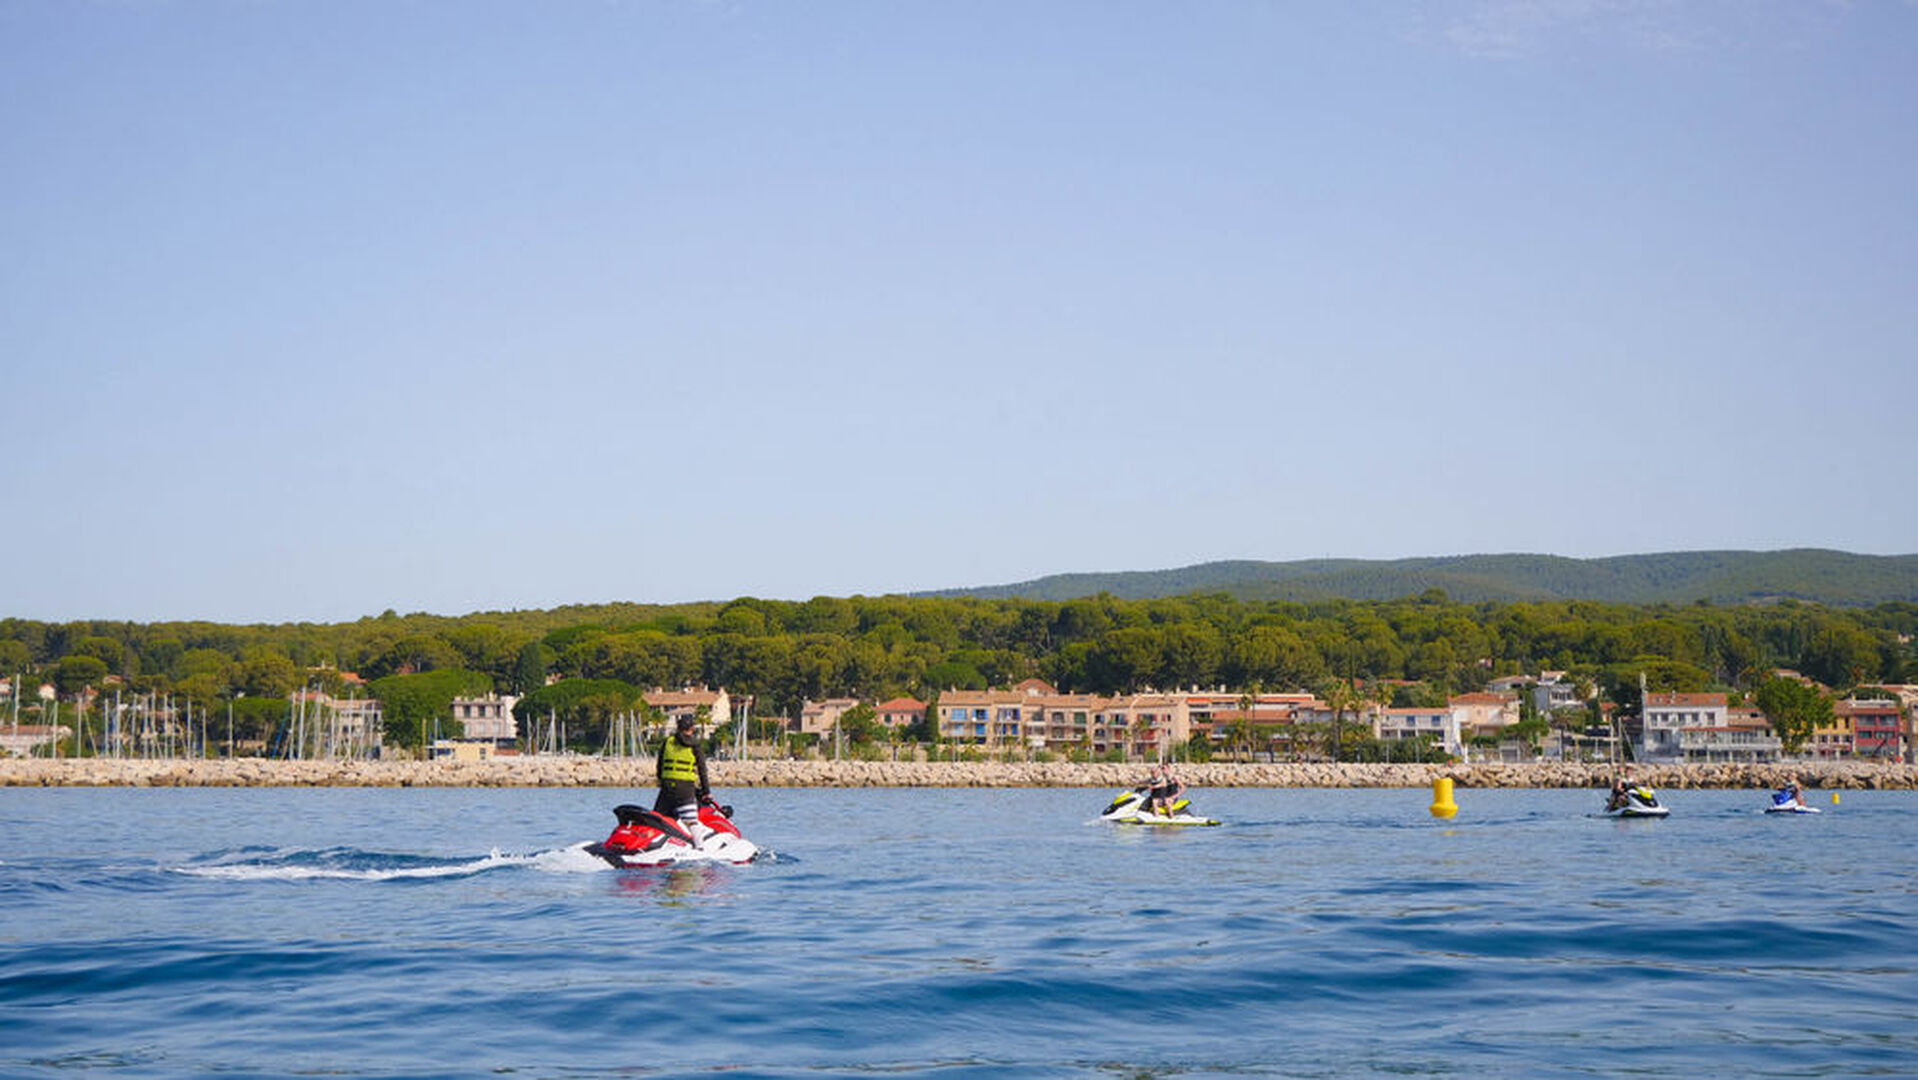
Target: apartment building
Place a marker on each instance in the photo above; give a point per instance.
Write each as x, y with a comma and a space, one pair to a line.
1036, 716
1874, 727
1664, 717
986, 717
1746, 735
1441, 726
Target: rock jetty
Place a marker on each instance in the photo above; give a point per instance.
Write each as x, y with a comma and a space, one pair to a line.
561, 771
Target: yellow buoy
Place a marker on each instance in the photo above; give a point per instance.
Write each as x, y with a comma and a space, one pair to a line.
1834, 798
1442, 804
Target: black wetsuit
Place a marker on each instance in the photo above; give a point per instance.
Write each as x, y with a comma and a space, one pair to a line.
1165, 793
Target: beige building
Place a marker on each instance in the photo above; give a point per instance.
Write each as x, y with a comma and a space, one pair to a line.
1483, 714
820, 717
1036, 716
708, 708
464, 750
987, 717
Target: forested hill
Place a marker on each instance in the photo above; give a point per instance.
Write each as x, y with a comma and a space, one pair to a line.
1828, 577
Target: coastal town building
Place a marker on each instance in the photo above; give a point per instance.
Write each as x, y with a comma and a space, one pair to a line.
360, 722
25, 740
465, 750
1252, 723
985, 717
344, 727
1833, 738
489, 718
1212, 711
1064, 721
1483, 714
708, 708
1142, 725
1556, 690
1439, 726
901, 713
1875, 727
821, 717
1745, 736
1037, 717
1665, 716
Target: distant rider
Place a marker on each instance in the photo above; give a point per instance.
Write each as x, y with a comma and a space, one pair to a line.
1789, 795
682, 776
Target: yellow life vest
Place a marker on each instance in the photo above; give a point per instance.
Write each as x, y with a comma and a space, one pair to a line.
678, 761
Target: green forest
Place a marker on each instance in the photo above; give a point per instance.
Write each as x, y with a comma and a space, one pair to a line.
784, 652
1679, 577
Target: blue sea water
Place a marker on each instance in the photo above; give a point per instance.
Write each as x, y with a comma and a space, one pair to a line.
955, 934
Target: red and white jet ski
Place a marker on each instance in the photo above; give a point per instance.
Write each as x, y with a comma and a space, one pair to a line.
648, 838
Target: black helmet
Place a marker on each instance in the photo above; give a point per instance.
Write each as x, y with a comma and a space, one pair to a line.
684, 723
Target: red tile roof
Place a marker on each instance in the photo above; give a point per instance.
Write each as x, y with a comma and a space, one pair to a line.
1691, 700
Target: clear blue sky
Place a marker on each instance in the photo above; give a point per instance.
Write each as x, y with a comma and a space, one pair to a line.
310, 310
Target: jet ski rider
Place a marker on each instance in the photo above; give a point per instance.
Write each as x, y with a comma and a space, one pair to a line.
1162, 787
682, 776
1619, 798
1789, 795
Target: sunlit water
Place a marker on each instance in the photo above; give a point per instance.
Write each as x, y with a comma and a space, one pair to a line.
967, 933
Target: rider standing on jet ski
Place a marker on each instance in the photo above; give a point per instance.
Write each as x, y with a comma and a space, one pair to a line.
682, 776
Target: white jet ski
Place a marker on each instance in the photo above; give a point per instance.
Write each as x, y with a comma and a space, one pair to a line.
1782, 803
1133, 808
648, 838
1640, 802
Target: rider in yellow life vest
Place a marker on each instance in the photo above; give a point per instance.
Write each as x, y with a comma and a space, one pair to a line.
682, 777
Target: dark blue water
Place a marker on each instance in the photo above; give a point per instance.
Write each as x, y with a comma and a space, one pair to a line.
976, 933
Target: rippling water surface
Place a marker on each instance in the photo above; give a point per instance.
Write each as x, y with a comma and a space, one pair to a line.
967, 933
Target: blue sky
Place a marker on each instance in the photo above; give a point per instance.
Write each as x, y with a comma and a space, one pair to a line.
311, 310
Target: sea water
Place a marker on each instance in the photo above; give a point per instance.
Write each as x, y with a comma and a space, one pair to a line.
955, 933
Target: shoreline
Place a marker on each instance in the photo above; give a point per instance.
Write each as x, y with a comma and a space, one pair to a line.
638, 772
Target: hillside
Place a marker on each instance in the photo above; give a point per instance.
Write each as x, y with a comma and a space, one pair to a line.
1725, 577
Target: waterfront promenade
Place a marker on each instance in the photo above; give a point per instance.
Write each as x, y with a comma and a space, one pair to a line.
560, 771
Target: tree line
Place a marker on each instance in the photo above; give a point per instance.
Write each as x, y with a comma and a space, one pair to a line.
781, 653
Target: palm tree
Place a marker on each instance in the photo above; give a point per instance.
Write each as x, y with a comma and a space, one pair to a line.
1240, 733
1379, 693
1247, 699
1141, 727
1342, 698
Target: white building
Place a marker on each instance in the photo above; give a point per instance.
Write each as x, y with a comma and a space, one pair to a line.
1665, 717
1555, 690
1441, 726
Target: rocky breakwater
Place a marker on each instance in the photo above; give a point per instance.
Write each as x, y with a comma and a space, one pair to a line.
560, 771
